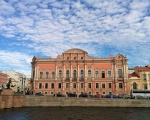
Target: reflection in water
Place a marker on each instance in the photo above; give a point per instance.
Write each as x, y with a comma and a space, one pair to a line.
75, 113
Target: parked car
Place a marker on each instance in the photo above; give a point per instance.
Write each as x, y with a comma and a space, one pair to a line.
126, 96
111, 96
60, 95
39, 94
72, 95
83, 95
97, 96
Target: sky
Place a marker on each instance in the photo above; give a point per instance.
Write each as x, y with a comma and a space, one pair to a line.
46, 28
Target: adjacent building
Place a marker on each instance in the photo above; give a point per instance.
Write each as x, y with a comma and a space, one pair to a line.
18, 80
3, 80
74, 71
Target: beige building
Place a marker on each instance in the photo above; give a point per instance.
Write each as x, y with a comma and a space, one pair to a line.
140, 78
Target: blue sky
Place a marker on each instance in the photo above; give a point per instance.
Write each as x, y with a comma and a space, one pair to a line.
49, 27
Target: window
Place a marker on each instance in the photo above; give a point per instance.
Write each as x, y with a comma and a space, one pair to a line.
109, 74
60, 74
46, 85
74, 85
52, 85
120, 73
89, 73
47, 73
82, 74
134, 85
82, 85
144, 76
74, 75
59, 85
67, 85
67, 74
120, 85
145, 86
41, 75
103, 74
53, 75
97, 85
103, 85
81, 58
40, 85
96, 74
89, 85
74, 58
109, 85
67, 58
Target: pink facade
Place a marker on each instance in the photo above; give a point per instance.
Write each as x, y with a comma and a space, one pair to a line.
75, 72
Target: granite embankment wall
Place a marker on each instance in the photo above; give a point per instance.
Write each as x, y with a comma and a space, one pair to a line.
36, 101
9, 101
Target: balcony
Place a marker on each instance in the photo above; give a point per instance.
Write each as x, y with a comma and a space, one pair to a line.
81, 78
75, 78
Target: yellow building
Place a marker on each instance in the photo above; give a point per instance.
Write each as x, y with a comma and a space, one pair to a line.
140, 78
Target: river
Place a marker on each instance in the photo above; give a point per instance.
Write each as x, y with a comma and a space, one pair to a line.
75, 113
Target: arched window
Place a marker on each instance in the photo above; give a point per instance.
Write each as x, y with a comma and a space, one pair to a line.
41, 75
82, 74
53, 75
60, 74
96, 74
120, 73
89, 73
47, 73
74, 74
134, 85
67, 74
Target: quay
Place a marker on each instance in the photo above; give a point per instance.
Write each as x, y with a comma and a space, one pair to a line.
11, 101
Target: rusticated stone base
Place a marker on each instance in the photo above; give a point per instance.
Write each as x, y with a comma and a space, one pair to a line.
7, 92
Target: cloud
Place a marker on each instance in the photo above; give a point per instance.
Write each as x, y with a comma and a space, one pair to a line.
52, 27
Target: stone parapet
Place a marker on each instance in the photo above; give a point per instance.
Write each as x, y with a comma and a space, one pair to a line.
38, 101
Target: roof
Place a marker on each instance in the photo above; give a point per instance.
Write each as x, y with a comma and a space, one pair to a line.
133, 75
75, 50
146, 68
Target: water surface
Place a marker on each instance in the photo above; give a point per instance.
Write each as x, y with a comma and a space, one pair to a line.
75, 113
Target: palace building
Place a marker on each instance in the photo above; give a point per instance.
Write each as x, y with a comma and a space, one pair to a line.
74, 71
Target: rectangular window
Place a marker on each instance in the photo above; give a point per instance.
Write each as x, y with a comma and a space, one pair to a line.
59, 85
96, 74
97, 85
82, 85
89, 85
41, 75
52, 85
40, 85
145, 86
120, 85
144, 76
103, 74
67, 85
74, 85
103, 85
109, 85
109, 74
46, 85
